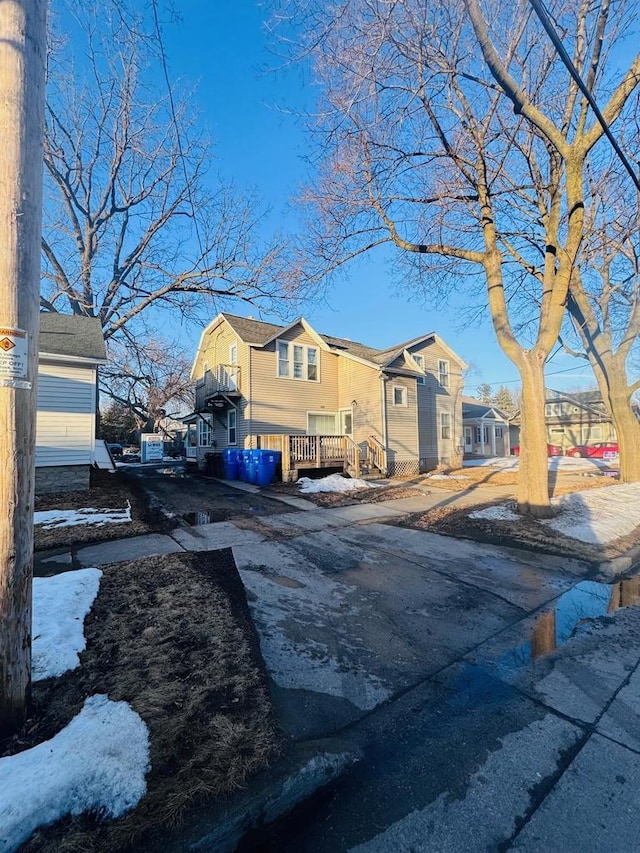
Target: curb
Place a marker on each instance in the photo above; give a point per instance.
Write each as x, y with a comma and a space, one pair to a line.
219, 827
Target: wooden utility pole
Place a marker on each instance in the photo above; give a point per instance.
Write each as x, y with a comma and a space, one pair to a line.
22, 82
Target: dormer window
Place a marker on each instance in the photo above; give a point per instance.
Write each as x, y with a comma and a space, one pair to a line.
297, 361
419, 360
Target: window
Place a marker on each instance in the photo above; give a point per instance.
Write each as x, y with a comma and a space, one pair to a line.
283, 359
233, 360
321, 423
498, 432
296, 361
312, 364
232, 433
553, 410
445, 425
420, 362
399, 395
205, 431
443, 373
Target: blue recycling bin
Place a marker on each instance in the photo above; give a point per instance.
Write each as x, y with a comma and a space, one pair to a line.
266, 467
230, 461
244, 460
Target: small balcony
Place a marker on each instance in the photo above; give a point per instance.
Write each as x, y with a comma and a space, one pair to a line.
222, 381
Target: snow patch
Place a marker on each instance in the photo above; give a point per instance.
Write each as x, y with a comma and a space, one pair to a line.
97, 763
57, 518
332, 483
496, 513
556, 463
598, 516
60, 604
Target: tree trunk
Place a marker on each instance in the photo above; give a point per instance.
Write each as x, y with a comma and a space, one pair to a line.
533, 481
628, 433
611, 378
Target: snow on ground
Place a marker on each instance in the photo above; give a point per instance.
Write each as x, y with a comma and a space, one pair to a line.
60, 604
556, 463
332, 483
98, 762
597, 516
70, 517
496, 513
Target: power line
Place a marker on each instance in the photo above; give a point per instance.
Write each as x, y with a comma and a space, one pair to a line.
546, 22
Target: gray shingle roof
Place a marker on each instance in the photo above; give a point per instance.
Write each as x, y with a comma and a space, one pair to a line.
257, 332
252, 331
67, 334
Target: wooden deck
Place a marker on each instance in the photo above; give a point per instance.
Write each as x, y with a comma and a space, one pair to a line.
324, 451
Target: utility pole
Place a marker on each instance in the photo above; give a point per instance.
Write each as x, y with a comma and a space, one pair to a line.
22, 83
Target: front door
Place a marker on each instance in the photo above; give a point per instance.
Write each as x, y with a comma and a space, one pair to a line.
468, 440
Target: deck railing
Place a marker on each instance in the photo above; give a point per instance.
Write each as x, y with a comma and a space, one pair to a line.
224, 378
377, 454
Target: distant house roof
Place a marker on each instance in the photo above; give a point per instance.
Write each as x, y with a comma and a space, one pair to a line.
72, 336
477, 409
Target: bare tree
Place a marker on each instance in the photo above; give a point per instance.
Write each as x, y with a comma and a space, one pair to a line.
133, 218
604, 305
450, 131
151, 382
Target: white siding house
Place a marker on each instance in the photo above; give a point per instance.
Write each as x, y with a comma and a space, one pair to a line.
70, 350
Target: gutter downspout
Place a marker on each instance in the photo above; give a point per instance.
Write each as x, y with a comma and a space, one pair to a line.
383, 401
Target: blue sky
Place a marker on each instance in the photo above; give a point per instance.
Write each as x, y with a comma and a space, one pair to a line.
259, 143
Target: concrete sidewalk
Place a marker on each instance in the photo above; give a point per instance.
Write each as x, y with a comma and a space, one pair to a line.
408, 673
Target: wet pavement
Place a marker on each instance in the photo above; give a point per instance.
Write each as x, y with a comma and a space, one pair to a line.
489, 693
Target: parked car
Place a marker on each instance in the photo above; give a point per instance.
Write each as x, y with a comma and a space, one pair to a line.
552, 450
597, 450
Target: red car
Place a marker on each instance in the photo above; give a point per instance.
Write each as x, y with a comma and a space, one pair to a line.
598, 450
552, 450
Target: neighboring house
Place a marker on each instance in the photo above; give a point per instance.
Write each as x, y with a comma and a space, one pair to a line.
70, 350
577, 417
486, 429
325, 401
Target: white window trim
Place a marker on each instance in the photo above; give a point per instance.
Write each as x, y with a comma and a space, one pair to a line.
202, 420
419, 359
405, 402
446, 373
445, 423
324, 414
235, 426
305, 362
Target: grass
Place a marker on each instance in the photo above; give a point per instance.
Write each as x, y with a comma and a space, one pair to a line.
172, 636
110, 491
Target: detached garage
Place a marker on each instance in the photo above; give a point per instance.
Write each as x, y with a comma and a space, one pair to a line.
71, 349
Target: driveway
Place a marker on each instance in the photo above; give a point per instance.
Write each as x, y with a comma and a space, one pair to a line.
352, 611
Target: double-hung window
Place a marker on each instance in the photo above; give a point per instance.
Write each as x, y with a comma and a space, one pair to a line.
283, 359
419, 359
297, 361
443, 373
205, 431
445, 425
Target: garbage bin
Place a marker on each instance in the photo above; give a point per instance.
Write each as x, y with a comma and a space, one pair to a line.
266, 467
244, 460
231, 463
